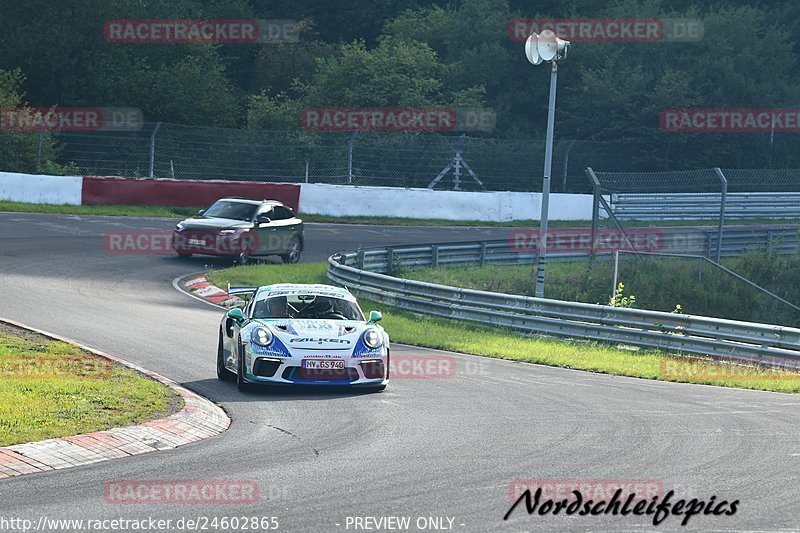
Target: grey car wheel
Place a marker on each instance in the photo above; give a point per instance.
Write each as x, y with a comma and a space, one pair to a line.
294, 251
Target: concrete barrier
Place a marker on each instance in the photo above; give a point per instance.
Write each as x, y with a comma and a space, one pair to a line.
181, 193
344, 200
40, 189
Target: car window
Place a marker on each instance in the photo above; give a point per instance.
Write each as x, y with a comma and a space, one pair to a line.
281, 213
230, 210
266, 211
307, 306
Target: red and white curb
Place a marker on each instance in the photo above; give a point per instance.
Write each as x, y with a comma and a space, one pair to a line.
199, 419
199, 287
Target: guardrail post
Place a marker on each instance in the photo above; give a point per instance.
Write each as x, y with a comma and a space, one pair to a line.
434, 256
360, 258
483, 254
390, 261
769, 242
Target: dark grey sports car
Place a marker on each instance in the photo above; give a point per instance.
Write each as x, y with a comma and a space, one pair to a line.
241, 229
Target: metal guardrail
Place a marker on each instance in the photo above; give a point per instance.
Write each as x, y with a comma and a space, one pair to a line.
367, 272
702, 206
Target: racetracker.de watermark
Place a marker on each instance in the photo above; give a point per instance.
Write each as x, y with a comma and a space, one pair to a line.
181, 491
596, 489
72, 119
734, 120
646, 30
681, 369
139, 31
580, 241
397, 119
45, 366
214, 242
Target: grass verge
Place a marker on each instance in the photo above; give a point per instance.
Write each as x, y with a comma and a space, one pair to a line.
50, 389
451, 335
184, 212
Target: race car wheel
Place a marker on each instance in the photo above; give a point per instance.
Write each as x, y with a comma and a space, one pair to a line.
184, 256
222, 373
241, 384
294, 251
243, 258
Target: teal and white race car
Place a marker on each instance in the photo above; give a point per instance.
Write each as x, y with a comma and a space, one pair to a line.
293, 334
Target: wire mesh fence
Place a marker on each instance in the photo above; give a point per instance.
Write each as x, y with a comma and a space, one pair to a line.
395, 159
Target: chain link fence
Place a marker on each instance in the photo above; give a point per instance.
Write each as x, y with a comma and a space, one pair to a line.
443, 161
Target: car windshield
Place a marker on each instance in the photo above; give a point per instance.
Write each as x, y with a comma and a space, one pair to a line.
307, 306
231, 210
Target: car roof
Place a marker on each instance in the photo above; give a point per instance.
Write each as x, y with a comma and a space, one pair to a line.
317, 289
249, 201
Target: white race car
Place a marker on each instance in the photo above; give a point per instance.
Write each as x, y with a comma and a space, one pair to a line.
293, 334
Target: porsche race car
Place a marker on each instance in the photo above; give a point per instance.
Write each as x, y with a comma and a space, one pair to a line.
299, 334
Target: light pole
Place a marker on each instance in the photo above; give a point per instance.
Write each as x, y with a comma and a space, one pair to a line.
539, 48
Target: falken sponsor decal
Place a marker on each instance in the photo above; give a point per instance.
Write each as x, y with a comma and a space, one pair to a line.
320, 340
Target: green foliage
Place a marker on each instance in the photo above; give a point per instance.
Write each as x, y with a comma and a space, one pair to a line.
419, 53
618, 299
56, 169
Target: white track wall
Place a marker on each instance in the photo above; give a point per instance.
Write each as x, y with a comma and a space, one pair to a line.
344, 200
40, 189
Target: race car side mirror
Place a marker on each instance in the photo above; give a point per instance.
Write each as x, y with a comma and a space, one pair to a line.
375, 316
236, 314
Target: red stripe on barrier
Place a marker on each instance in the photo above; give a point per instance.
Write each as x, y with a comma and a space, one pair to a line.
181, 193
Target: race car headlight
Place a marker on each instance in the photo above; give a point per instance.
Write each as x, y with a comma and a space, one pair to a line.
261, 336
229, 231
372, 338
180, 226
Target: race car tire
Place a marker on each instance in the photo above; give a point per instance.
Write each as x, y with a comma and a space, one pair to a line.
222, 373
241, 383
294, 251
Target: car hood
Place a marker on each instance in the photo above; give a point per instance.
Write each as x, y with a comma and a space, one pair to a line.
336, 335
214, 223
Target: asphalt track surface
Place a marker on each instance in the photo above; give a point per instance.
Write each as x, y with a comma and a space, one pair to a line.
422, 448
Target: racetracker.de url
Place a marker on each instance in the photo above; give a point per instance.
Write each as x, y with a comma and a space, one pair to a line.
197, 523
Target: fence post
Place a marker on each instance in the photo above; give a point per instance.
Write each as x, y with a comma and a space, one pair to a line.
434, 255
153, 147
39, 147
722, 200
360, 258
566, 165
595, 204
483, 253
350, 143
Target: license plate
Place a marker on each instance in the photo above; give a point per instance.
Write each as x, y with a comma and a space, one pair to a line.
197, 242
323, 364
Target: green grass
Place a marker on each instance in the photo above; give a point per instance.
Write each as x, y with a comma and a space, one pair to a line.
110, 210
184, 212
457, 336
51, 389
